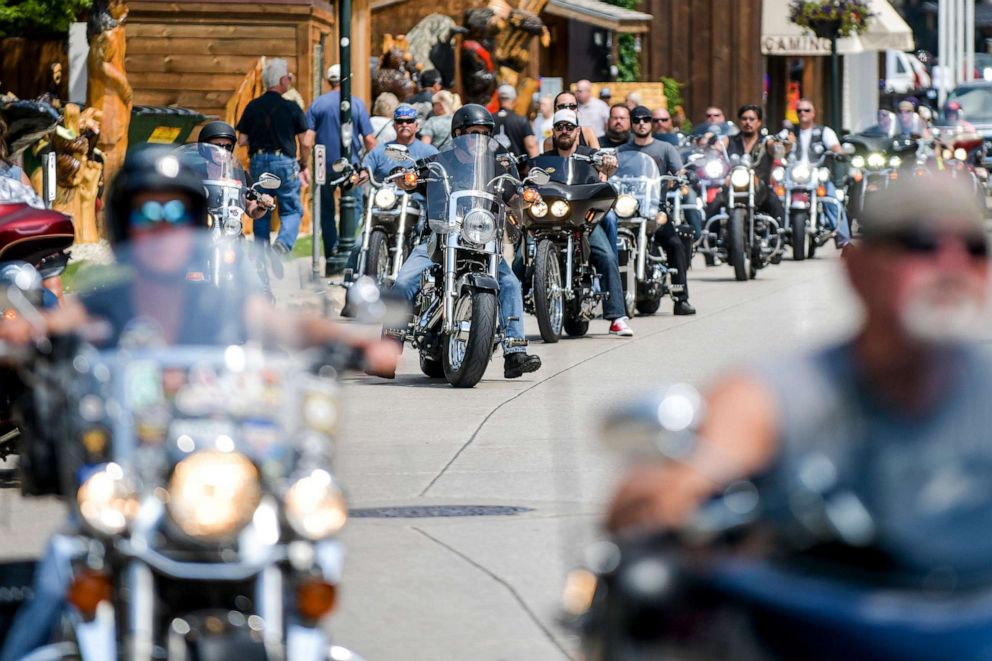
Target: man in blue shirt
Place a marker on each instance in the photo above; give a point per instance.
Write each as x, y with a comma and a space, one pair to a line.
325, 119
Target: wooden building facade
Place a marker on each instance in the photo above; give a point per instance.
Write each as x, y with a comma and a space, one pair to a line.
712, 47
196, 55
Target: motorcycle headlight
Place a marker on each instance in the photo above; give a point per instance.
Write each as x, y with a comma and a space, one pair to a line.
559, 208
876, 160
213, 495
713, 169
858, 161
960, 154
801, 173
315, 506
778, 174
895, 162
106, 501
626, 206
479, 226
385, 198
823, 174
539, 209
740, 178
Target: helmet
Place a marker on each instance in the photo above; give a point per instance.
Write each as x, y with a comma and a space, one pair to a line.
150, 168
952, 106
217, 129
471, 115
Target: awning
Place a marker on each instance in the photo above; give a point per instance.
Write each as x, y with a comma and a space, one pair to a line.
600, 14
780, 36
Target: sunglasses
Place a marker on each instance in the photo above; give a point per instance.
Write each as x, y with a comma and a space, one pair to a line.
404, 121
804, 110
714, 114
640, 120
662, 119
565, 127
173, 212
567, 106
229, 146
905, 112
928, 243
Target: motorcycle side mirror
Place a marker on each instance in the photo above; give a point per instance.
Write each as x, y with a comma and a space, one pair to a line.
925, 113
398, 153
696, 157
342, 164
503, 141
662, 423
849, 149
783, 134
21, 289
538, 176
735, 158
370, 305
269, 181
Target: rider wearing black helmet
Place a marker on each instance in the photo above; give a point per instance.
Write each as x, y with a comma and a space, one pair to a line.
221, 134
469, 116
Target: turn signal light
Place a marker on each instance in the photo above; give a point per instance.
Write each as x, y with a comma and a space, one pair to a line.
821, 191
858, 176
315, 599
410, 179
10, 314
531, 195
87, 590
230, 256
780, 190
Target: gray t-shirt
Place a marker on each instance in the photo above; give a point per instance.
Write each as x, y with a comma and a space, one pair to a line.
666, 156
438, 128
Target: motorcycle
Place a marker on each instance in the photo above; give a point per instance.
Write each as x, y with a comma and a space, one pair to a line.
30, 233
391, 230
801, 186
456, 314
644, 274
227, 198
739, 234
205, 515
564, 288
787, 570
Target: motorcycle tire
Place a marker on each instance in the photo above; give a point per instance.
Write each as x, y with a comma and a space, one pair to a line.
549, 302
739, 253
479, 308
431, 368
648, 305
629, 282
574, 324
377, 260
799, 236
811, 250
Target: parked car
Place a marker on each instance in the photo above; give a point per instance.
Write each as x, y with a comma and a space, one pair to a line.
904, 73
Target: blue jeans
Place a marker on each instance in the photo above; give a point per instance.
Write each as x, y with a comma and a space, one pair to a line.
605, 260
692, 214
511, 301
328, 215
288, 198
836, 216
609, 224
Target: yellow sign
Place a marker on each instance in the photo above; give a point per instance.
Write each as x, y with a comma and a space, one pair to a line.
165, 135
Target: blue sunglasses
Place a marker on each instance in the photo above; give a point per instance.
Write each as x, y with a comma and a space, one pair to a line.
173, 212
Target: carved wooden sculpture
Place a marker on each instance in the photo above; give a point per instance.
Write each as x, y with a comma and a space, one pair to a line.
108, 90
77, 170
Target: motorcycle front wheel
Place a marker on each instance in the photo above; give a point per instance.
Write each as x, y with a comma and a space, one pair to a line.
574, 324
466, 352
798, 235
549, 301
377, 261
738, 250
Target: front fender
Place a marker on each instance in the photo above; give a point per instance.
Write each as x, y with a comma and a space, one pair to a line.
478, 281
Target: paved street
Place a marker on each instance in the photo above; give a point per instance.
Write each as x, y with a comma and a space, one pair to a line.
486, 587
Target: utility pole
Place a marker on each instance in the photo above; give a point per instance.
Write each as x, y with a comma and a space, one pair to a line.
348, 212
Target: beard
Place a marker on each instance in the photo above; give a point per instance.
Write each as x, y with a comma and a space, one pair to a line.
945, 310
564, 141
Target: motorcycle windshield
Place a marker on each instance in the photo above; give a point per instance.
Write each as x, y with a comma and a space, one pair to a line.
637, 175
567, 171
882, 125
468, 164
222, 174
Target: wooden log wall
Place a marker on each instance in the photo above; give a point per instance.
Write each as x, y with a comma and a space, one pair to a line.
712, 47
24, 66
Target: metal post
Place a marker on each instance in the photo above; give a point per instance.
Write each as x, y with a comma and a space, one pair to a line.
319, 161
48, 176
969, 44
942, 50
835, 85
959, 74
347, 213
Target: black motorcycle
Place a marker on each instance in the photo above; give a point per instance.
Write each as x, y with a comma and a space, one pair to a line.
564, 288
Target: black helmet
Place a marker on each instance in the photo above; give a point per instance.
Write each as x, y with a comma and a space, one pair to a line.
217, 129
471, 115
150, 168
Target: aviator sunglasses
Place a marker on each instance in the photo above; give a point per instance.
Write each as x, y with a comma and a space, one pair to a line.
173, 212
928, 243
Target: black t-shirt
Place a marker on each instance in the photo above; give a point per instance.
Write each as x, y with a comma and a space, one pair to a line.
605, 141
272, 124
515, 127
762, 164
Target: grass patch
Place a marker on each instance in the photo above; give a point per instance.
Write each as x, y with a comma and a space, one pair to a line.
69, 277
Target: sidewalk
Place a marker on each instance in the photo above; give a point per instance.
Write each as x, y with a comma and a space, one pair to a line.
297, 291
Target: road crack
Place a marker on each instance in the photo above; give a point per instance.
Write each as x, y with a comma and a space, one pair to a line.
629, 343
509, 588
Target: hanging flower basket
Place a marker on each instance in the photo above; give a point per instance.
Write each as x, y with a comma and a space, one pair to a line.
831, 18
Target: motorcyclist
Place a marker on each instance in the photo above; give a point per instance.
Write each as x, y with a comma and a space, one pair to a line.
475, 119
896, 414
223, 135
954, 116
750, 142
564, 138
156, 207
669, 162
803, 141
909, 123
